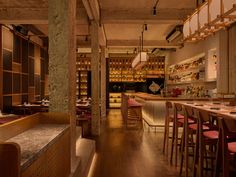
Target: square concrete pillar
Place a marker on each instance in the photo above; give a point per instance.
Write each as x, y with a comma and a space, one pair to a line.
96, 84
62, 61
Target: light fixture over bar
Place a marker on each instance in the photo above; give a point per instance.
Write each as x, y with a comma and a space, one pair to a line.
212, 16
140, 60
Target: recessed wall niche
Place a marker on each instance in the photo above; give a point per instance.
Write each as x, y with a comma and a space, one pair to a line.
23, 69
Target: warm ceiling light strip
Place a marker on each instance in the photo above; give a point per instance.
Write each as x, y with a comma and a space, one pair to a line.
212, 16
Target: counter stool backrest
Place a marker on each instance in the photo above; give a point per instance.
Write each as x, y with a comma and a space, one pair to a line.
189, 111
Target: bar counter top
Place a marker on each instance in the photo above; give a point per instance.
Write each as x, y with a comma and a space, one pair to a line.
35, 141
152, 97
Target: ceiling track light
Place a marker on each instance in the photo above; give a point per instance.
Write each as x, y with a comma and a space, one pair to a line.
154, 11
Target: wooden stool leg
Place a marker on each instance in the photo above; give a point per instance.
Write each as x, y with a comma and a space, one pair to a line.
172, 144
165, 136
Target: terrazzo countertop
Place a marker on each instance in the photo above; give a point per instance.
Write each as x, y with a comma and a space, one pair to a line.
35, 141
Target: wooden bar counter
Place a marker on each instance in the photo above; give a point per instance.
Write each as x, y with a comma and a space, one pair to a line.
37, 145
154, 110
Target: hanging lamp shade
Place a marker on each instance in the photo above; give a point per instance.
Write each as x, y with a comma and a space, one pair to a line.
214, 10
193, 24
203, 16
229, 8
186, 30
212, 16
140, 60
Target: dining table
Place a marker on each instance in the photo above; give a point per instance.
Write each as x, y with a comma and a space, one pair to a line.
28, 108
215, 108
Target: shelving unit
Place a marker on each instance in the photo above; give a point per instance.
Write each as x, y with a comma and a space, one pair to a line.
82, 84
189, 71
115, 100
23, 70
120, 69
190, 76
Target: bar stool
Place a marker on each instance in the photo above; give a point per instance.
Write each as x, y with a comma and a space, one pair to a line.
205, 137
169, 118
226, 145
190, 128
178, 109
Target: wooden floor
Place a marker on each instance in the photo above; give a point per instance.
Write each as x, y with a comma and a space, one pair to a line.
129, 153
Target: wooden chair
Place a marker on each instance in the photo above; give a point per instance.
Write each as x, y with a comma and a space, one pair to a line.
205, 137
169, 118
226, 145
190, 128
178, 122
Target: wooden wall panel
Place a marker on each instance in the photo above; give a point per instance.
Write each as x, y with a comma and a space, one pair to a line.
7, 103
7, 41
1, 72
25, 83
31, 94
17, 49
25, 60
37, 63
22, 69
42, 63
232, 59
16, 99
16, 83
37, 85
16, 67
31, 49
46, 86
31, 71
7, 83
7, 60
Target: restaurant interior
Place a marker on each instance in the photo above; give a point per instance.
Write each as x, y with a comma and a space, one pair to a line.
101, 88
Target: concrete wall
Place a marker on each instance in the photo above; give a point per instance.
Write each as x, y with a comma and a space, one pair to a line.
192, 49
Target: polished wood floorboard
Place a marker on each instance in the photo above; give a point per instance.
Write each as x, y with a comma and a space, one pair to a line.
125, 152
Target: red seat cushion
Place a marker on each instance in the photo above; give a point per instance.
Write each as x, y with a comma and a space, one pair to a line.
194, 127
232, 147
180, 116
182, 121
212, 134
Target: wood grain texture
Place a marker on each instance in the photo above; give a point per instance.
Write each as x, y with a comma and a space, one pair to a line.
128, 152
9, 160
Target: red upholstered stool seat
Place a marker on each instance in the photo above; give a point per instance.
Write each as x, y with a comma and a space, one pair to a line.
194, 127
232, 147
212, 134
190, 121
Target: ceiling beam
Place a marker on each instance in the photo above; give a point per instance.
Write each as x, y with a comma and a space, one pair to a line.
147, 44
164, 16
102, 36
92, 9
132, 44
26, 15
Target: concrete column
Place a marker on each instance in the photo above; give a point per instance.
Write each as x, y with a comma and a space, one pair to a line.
103, 83
62, 61
232, 59
95, 58
223, 63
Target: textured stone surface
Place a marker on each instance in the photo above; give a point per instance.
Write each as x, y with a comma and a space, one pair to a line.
36, 140
95, 79
103, 83
62, 60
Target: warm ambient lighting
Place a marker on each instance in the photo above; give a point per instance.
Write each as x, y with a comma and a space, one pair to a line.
209, 18
140, 60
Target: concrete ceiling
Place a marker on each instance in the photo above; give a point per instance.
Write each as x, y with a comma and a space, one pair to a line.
121, 20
